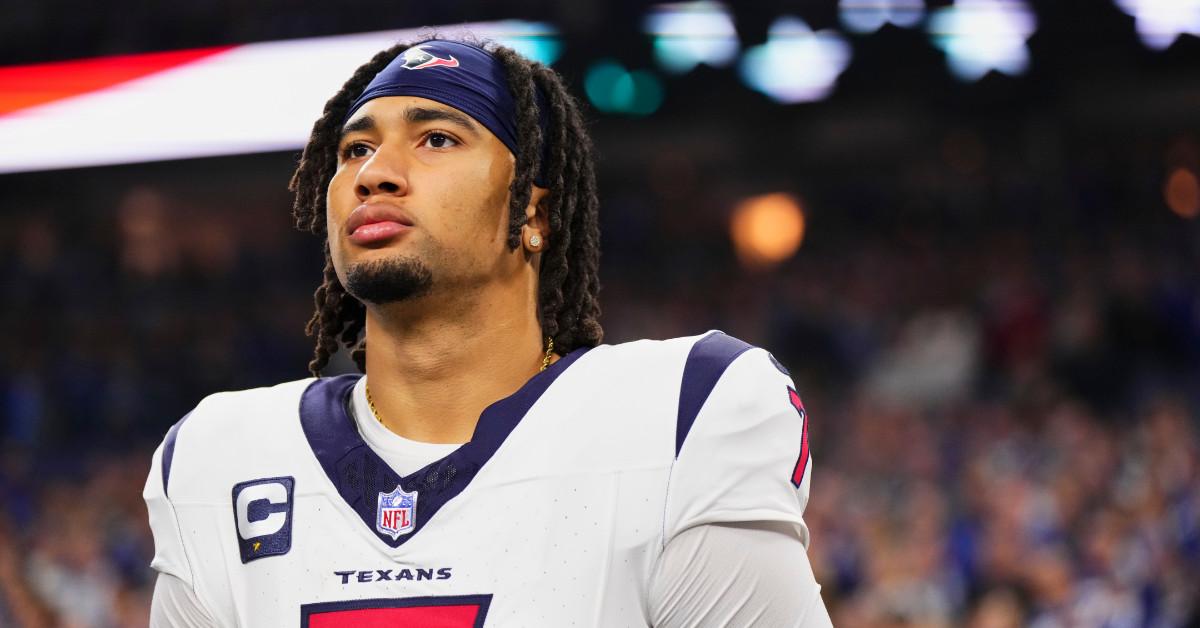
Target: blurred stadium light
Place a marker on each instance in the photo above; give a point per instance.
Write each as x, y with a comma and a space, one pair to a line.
690, 33
1182, 193
983, 35
240, 99
767, 229
613, 89
795, 64
537, 40
868, 16
1161, 22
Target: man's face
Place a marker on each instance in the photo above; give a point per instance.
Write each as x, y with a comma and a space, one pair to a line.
419, 201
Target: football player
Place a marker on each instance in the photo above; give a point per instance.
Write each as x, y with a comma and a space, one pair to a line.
496, 465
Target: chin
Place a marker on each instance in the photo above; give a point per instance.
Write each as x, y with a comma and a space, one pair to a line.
388, 279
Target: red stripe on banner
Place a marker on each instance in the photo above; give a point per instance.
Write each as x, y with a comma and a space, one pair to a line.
23, 86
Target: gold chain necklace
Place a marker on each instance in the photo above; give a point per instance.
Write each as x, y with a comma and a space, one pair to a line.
549, 350
545, 365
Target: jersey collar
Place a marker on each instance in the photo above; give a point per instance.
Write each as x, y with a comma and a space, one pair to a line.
360, 475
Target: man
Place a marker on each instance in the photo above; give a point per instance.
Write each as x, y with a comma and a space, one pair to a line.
495, 467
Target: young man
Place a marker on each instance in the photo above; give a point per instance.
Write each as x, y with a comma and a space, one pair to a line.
495, 467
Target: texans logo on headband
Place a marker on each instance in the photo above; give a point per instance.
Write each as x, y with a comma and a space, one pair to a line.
417, 59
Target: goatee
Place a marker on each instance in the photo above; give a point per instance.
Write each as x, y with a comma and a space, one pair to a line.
388, 280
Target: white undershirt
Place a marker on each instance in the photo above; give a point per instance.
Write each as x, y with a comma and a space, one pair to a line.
753, 573
403, 455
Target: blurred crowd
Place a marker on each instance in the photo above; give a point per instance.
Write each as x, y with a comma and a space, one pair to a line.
1004, 401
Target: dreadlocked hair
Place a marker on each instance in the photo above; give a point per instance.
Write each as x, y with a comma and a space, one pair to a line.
569, 277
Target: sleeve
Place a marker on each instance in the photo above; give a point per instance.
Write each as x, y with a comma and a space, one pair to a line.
175, 605
169, 554
736, 575
741, 441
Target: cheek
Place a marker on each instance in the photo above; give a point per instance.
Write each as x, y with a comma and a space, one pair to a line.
337, 208
476, 198
500, 174
340, 198
497, 174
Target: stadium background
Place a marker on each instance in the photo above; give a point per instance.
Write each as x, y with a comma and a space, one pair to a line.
986, 289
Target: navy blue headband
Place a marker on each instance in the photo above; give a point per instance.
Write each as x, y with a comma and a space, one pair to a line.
462, 76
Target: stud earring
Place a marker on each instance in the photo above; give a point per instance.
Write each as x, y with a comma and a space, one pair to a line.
535, 240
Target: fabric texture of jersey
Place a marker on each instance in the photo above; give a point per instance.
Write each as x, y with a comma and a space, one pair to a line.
271, 507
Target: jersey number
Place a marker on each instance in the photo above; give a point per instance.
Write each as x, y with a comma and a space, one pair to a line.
802, 461
461, 611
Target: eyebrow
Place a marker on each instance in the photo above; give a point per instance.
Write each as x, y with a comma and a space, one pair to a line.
415, 115
365, 123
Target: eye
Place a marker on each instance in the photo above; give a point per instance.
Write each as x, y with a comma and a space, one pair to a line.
355, 150
437, 139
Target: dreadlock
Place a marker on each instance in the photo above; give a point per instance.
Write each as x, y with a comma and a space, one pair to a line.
569, 279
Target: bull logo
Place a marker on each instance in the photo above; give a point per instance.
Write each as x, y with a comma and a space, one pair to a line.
417, 58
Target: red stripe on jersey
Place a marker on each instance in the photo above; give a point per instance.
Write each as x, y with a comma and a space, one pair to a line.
23, 86
463, 616
802, 461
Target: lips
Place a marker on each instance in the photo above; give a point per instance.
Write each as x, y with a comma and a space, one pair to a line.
376, 222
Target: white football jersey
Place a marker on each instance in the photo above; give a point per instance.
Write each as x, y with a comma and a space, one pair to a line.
269, 504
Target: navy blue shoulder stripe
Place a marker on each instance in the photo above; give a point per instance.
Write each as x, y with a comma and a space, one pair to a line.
169, 451
706, 362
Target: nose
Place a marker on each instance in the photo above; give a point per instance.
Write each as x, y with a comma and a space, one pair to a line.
383, 174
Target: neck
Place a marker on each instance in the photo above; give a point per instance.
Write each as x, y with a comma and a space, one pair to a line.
432, 368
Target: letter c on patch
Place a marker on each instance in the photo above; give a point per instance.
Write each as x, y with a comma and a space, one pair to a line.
262, 510
274, 494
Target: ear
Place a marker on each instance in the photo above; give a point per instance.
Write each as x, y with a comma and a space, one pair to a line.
537, 222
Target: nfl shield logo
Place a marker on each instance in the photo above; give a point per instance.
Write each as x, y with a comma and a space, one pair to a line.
397, 513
